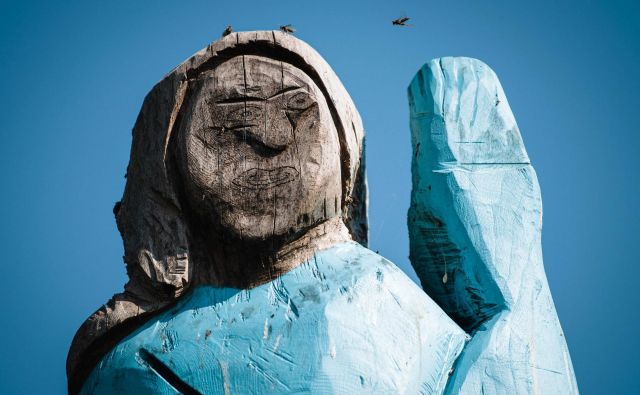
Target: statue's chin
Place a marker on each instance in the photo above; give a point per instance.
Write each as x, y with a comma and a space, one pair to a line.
280, 223
262, 228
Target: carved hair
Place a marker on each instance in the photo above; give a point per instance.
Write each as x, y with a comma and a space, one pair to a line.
150, 217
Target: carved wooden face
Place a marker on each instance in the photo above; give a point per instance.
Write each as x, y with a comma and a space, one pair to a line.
259, 152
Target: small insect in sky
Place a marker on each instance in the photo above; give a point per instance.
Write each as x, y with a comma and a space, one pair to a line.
227, 31
287, 29
401, 21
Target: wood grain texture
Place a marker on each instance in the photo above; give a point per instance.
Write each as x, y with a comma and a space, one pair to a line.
269, 187
244, 201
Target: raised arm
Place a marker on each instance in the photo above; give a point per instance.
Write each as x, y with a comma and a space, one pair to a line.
475, 224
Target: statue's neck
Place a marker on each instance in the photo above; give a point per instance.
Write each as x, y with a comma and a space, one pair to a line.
245, 263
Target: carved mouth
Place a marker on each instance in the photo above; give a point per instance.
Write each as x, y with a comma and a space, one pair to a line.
266, 178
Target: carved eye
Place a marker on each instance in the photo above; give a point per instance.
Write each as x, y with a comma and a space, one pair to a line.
300, 101
246, 114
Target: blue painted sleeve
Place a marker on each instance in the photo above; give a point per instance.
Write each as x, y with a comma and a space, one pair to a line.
475, 224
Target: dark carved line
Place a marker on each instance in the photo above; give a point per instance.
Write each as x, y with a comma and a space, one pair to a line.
100, 346
241, 99
163, 371
249, 98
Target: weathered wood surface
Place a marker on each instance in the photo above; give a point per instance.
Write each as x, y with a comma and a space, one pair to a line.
257, 155
241, 157
244, 201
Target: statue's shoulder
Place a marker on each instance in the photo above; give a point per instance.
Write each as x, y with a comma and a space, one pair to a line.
347, 318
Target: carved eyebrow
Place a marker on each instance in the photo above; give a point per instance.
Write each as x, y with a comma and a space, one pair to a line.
284, 90
239, 99
242, 99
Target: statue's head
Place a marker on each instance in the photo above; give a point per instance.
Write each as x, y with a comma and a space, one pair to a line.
253, 138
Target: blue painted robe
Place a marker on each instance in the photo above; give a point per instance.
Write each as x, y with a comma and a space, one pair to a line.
346, 321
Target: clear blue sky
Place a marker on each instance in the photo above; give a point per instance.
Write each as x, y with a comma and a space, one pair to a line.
74, 74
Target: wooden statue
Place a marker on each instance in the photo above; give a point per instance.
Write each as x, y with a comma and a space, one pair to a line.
244, 221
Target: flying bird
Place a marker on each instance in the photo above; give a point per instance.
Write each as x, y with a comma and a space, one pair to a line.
227, 31
287, 29
401, 21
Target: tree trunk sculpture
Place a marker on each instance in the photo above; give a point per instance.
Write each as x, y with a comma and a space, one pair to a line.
244, 221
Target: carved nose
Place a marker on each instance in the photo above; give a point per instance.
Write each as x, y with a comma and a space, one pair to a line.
278, 133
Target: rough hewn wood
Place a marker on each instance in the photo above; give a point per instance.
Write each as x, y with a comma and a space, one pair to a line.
475, 225
346, 321
239, 158
245, 192
257, 154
